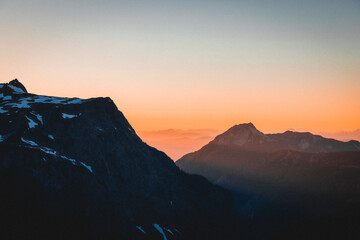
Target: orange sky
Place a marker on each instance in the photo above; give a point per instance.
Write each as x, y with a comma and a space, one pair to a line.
193, 64
272, 105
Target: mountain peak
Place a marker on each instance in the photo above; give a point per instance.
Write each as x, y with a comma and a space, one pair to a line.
18, 84
240, 134
245, 125
13, 87
243, 128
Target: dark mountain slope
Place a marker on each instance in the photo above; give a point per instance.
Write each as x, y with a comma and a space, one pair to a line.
74, 168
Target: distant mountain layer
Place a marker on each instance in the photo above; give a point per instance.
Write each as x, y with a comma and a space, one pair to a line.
343, 135
75, 169
290, 156
175, 142
297, 181
248, 137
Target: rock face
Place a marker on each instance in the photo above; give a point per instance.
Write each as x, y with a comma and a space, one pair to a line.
75, 169
286, 183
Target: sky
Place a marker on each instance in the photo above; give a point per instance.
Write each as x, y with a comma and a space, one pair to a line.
281, 64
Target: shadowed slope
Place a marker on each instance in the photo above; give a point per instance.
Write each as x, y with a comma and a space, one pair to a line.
74, 168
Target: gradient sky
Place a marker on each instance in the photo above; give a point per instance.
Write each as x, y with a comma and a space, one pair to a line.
193, 63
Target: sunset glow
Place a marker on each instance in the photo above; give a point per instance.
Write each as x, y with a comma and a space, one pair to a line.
193, 64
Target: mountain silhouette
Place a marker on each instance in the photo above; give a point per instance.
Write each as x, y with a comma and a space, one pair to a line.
286, 182
74, 168
248, 137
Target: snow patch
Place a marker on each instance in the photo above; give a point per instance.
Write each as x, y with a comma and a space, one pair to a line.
56, 100
31, 123
169, 231
49, 151
16, 89
140, 228
1, 138
4, 98
55, 154
69, 116
29, 142
160, 230
73, 161
51, 137
75, 101
2, 111
26, 101
39, 117
87, 166
23, 103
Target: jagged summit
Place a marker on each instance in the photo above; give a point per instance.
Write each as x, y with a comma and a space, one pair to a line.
18, 84
13, 87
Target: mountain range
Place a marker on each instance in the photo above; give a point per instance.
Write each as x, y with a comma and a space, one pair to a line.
74, 168
248, 137
287, 182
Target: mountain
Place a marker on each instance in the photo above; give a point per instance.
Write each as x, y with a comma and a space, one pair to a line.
74, 168
287, 182
248, 137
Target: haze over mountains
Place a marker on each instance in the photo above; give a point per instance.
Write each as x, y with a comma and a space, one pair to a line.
290, 182
343, 135
177, 142
74, 168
